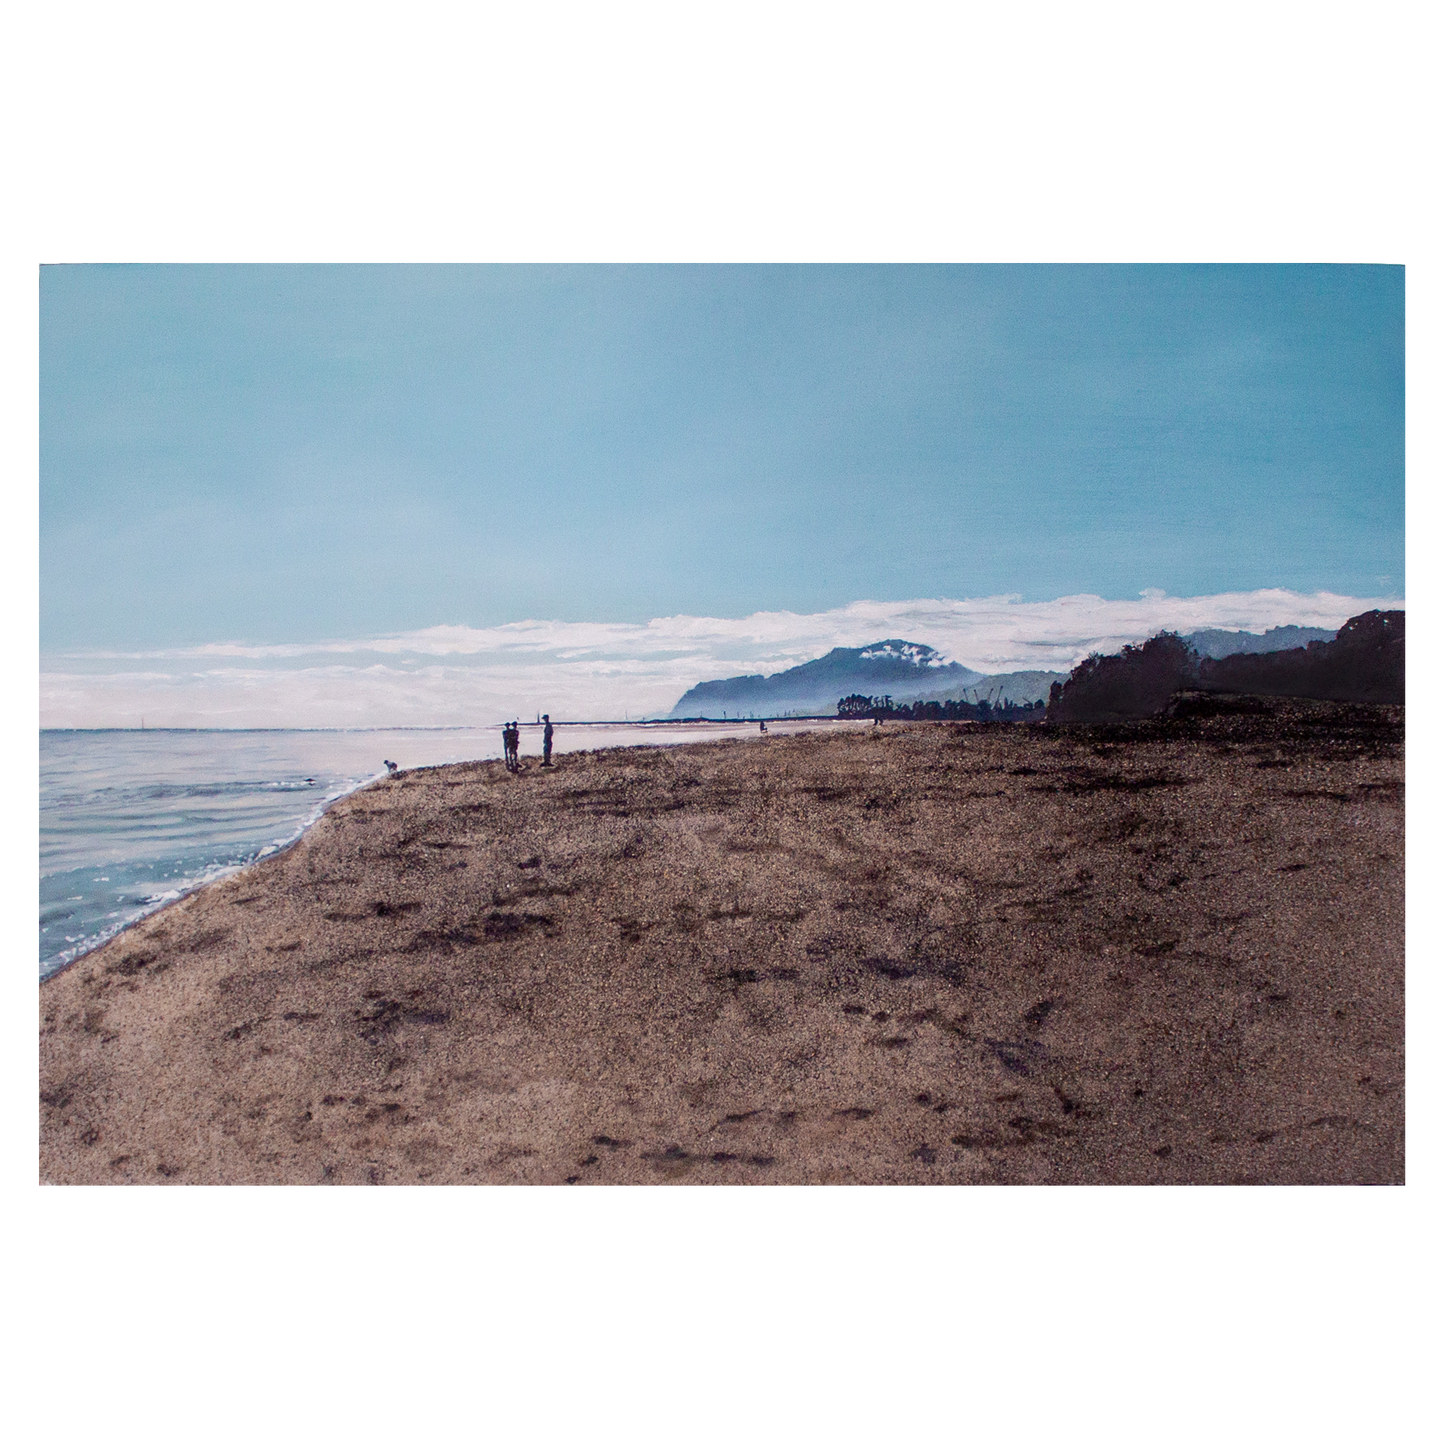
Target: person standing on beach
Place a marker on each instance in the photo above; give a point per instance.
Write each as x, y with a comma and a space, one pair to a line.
547, 740
509, 745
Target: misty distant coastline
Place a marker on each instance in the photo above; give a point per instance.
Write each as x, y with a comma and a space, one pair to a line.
458, 676
912, 672
892, 665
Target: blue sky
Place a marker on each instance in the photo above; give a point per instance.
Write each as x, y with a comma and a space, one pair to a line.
280, 456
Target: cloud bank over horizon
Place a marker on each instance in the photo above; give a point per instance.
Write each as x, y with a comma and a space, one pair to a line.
463, 676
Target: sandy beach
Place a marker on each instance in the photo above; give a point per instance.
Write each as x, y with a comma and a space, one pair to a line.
1168, 952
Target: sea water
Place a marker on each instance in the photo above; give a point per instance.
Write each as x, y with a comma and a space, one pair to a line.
131, 820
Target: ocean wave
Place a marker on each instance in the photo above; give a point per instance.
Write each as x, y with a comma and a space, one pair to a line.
112, 855
130, 823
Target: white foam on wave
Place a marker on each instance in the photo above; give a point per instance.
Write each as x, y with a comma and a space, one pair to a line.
84, 943
191, 883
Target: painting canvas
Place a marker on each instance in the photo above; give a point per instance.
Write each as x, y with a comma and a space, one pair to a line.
746, 725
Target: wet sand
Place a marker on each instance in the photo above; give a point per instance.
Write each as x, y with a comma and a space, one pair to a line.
1157, 953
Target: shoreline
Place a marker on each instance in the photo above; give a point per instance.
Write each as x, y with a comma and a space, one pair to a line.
474, 727
270, 849
231, 871
701, 964
267, 850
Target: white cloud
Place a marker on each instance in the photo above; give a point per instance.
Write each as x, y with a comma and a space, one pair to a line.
453, 675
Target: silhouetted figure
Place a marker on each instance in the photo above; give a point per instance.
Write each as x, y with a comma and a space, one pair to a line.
390, 767
762, 725
547, 741
509, 746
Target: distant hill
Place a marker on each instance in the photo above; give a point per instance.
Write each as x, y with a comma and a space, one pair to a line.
910, 672
1363, 662
1216, 642
893, 667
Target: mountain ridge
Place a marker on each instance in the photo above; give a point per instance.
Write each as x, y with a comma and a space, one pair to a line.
1218, 642
815, 687
913, 672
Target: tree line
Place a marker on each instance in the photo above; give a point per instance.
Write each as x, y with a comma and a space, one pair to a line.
884, 709
1364, 664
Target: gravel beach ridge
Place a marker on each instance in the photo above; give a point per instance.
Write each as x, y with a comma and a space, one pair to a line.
1167, 952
